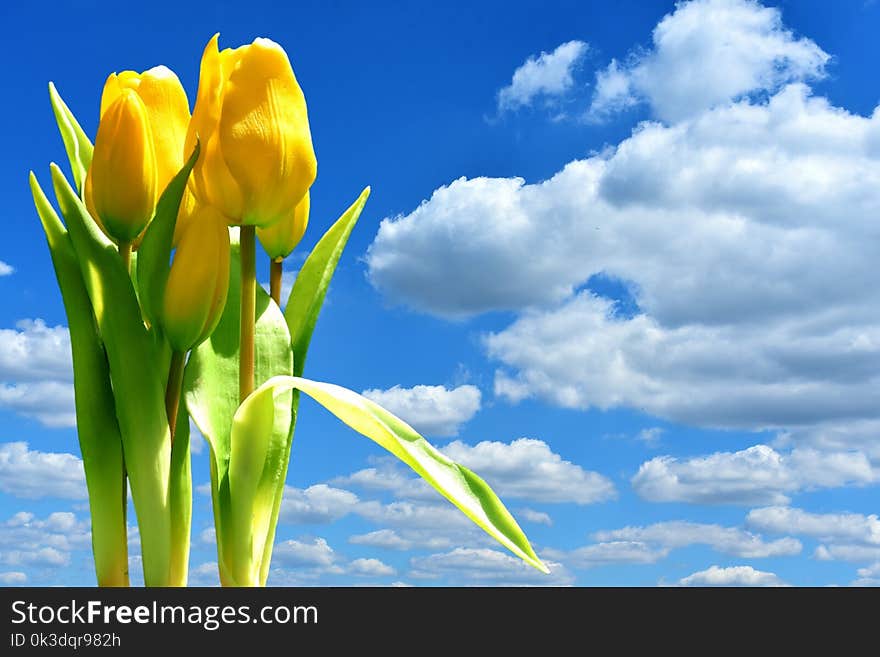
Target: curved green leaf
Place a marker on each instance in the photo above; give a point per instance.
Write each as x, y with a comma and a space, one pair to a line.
76, 143
155, 250
97, 427
310, 287
455, 482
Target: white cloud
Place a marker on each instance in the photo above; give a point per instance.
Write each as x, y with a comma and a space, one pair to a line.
485, 566
430, 410
827, 527
548, 75
650, 436
389, 477
14, 577
370, 568
537, 517
708, 52
757, 475
36, 372
6, 269
727, 540
26, 540
732, 231
32, 474
205, 574
870, 571
314, 552
854, 553
528, 469
732, 576
609, 553
318, 504
382, 538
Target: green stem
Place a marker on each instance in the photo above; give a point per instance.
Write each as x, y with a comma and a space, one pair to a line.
172, 390
125, 253
248, 312
275, 269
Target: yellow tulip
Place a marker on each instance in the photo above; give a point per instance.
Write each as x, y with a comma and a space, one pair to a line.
280, 239
138, 149
257, 160
195, 293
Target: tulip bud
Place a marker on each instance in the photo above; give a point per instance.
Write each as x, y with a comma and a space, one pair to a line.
138, 149
257, 159
280, 239
195, 293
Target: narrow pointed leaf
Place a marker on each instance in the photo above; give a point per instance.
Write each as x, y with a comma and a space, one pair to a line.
76, 143
97, 428
310, 287
455, 482
155, 250
137, 385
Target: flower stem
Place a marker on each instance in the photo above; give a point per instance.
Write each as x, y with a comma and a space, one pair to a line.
275, 269
125, 253
172, 390
248, 312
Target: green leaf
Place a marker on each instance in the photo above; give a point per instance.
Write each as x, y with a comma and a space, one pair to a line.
257, 465
76, 143
137, 377
212, 396
455, 482
211, 376
310, 287
180, 491
154, 253
97, 428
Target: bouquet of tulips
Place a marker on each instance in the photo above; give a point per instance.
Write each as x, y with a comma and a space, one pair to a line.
155, 258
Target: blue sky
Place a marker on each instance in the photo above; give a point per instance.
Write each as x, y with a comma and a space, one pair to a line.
619, 259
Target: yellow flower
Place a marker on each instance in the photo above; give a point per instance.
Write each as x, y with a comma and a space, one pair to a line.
195, 293
281, 238
257, 159
138, 149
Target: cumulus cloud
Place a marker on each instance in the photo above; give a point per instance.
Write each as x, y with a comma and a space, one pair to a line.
757, 475
732, 576
727, 540
26, 540
528, 469
487, 567
548, 75
853, 553
536, 517
827, 527
732, 231
36, 373
609, 553
708, 52
314, 552
6, 269
13, 577
318, 504
32, 474
370, 568
430, 410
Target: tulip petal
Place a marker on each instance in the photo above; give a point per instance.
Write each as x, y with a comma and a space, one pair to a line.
122, 189
168, 112
212, 183
280, 239
264, 134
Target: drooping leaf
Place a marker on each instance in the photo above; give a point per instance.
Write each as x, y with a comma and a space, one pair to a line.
97, 427
455, 482
137, 383
155, 250
76, 143
310, 287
